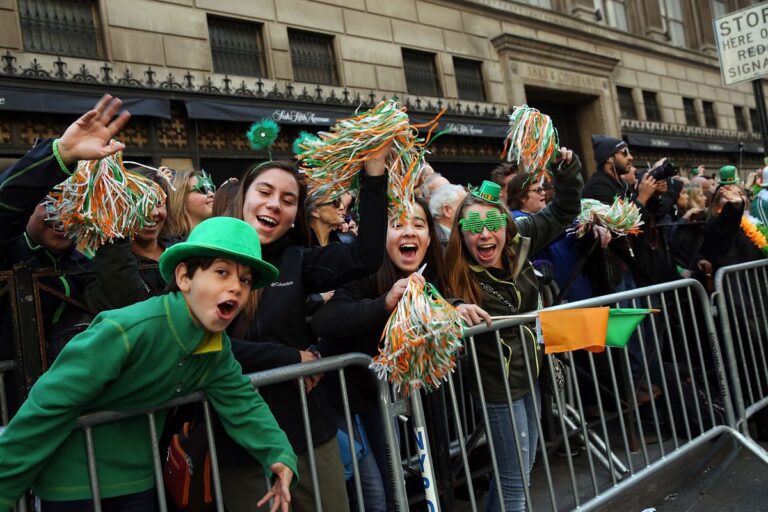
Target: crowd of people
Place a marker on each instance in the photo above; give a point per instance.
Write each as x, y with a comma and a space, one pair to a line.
306, 280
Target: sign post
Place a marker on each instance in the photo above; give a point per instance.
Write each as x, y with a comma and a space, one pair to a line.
742, 45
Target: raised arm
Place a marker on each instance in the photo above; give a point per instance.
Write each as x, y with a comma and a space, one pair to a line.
545, 226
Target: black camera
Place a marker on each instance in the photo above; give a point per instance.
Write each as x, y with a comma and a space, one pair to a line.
665, 170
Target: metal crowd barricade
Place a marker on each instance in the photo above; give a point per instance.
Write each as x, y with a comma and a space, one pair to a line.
607, 408
331, 367
741, 299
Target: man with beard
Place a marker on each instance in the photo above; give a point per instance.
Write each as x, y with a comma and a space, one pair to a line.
611, 270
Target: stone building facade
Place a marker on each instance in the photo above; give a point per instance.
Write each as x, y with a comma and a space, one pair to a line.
197, 71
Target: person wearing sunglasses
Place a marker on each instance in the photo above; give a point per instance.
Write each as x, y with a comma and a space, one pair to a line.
190, 202
324, 218
525, 198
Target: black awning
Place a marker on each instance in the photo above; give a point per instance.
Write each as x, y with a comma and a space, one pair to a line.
664, 142
225, 111
31, 100
467, 127
655, 141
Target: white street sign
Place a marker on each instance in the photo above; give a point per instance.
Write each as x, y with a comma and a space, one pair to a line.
742, 44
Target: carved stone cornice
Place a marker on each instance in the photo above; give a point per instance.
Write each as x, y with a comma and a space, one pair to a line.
536, 52
32, 67
685, 131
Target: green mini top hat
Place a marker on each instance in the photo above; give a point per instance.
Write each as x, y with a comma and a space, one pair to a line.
221, 237
728, 175
488, 191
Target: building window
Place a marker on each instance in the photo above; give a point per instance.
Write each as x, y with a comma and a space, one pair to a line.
718, 8
626, 103
421, 73
754, 120
672, 12
313, 58
741, 119
469, 79
236, 47
613, 12
652, 112
709, 114
71, 28
690, 112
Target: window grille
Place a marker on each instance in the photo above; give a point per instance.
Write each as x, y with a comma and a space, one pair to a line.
710, 119
421, 73
313, 58
469, 79
652, 112
626, 103
237, 47
690, 112
71, 28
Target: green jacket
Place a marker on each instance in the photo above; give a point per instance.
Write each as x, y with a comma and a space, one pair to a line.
518, 287
130, 358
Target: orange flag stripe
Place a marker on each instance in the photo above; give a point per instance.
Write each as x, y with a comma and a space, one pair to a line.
574, 329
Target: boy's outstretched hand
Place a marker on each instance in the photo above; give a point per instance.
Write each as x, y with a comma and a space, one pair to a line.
280, 490
90, 137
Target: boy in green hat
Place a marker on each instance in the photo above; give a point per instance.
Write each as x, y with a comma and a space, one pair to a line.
139, 357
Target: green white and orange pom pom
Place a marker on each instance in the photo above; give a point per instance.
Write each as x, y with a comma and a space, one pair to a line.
532, 141
421, 340
623, 217
102, 201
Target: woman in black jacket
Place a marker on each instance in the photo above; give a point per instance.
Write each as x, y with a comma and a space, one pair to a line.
272, 197
353, 320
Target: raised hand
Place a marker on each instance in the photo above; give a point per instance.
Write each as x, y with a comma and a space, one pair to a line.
91, 136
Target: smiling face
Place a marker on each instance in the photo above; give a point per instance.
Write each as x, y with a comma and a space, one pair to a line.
408, 240
485, 247
46, 233
151, 231
271, 203
199, 203
215, 295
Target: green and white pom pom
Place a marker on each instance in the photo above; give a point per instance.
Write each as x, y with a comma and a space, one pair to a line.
263, 134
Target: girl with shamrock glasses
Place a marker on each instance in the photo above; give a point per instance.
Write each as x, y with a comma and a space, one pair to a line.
189, 203
489, 267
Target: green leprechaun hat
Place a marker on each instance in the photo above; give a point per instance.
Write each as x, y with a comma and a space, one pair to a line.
728, 176
488, 191
221, 237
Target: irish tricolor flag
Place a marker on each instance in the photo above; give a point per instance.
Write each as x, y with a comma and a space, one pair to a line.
590, 329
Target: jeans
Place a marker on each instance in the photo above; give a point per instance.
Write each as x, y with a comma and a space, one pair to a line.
370, 483
505, 448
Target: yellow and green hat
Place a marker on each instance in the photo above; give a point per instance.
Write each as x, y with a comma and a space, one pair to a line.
488, 191
728, 175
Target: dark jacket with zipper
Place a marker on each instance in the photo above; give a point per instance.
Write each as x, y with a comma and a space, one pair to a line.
606, 266
515, 290
280, 319
22, 187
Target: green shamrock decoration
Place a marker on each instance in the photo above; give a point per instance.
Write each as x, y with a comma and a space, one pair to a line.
494, 221
204, 184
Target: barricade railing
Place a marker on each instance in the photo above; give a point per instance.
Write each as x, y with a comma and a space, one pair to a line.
740, 300
632, 411
331, 367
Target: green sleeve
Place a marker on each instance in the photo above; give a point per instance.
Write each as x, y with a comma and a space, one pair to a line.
545, 226
45, 420
246, 416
